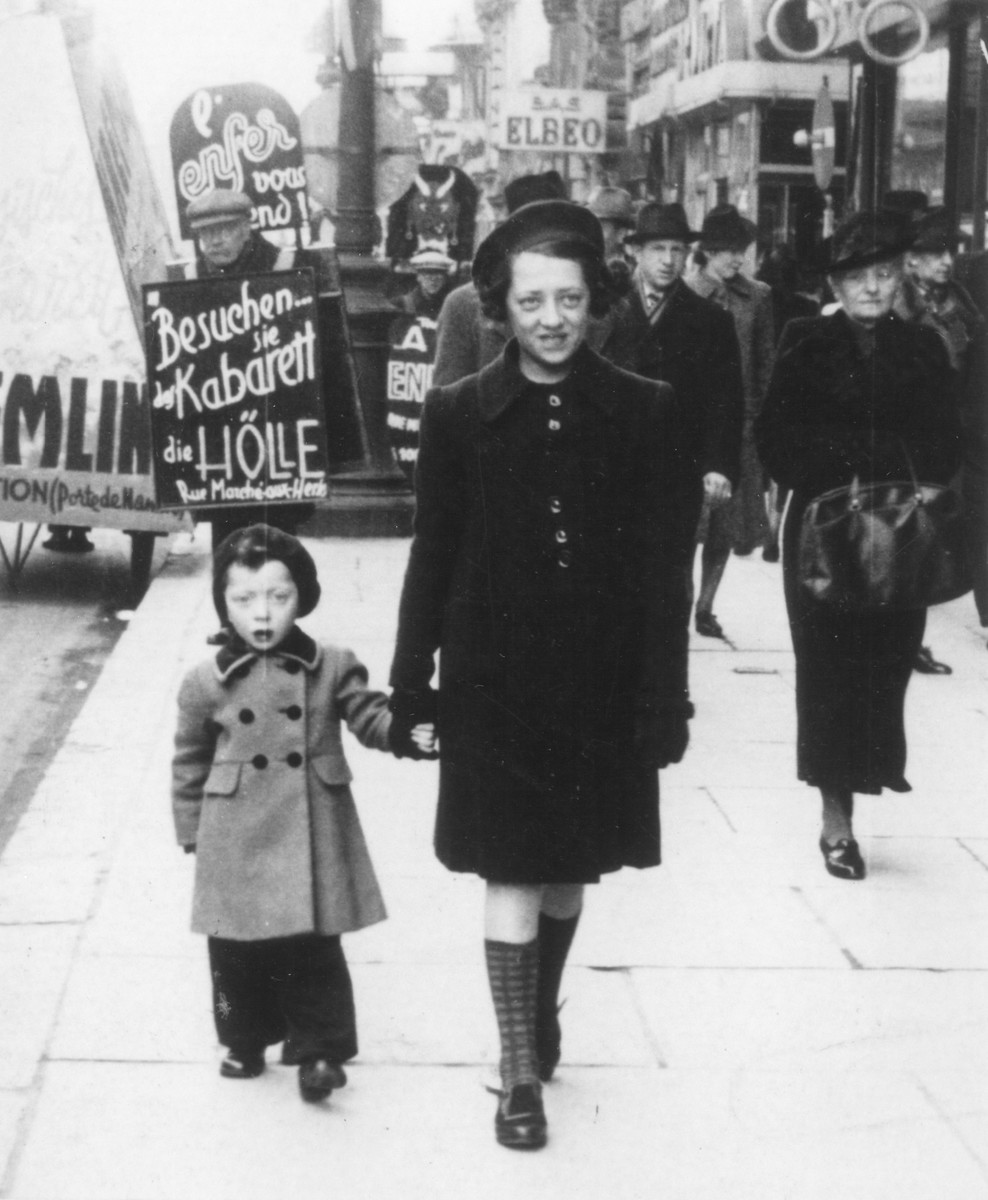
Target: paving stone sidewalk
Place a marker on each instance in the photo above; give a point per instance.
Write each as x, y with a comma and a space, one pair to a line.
738, 1024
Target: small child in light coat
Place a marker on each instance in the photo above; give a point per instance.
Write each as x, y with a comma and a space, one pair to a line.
261, 795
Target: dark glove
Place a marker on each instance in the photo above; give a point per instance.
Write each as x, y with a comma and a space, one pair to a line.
409, 709
190, 849
662, 735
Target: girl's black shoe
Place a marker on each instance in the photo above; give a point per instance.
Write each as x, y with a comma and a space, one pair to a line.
843, 859
318, 1078
519, 1122
239, 1064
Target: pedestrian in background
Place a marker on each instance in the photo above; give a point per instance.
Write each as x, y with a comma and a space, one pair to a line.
433, 283
931, 296
549, 522
467, 339
858, 395
612, 206
261, 794
665, 331
741, 525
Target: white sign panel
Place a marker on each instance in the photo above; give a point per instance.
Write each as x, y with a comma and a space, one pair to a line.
554, 120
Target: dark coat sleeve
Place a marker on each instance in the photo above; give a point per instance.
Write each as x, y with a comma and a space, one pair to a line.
457, 337
440, 504
724, 415
830, 416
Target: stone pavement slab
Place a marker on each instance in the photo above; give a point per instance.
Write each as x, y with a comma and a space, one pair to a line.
737, 1024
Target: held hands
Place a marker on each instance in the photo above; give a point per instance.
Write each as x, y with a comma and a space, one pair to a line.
424, 737
413, 724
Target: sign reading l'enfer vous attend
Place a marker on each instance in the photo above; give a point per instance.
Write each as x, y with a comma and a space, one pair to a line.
559, 120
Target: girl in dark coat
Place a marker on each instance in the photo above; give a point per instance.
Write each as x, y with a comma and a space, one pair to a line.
547, 569
860, 393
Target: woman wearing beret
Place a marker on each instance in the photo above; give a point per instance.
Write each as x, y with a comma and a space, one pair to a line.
549, 534
860, 394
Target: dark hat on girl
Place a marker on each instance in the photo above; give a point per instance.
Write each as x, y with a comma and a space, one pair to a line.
526, 189
253, 547
869, 237
724, 226
661, 222
532, 225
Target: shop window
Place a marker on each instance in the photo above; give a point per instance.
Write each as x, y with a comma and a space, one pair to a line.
781, 121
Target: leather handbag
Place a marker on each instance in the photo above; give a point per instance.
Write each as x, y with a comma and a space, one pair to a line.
876, 546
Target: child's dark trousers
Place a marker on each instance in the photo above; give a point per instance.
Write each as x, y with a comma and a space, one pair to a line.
294, 989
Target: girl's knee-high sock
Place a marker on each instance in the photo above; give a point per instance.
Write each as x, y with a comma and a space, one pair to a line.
513, 971
555, 939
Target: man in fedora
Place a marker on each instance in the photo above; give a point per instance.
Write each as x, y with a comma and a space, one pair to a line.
664, 331
930, 295
466, 340
743, 525
612, 206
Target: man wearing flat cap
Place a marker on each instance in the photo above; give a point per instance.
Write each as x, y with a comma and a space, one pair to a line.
544, 571
930, 295
857, 395
612, 206
434, 272
665, 331
466, 340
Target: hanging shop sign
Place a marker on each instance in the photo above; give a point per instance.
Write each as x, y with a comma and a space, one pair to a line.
236, 406
75, 435
889, 31
410, 365
554, 120
243, 137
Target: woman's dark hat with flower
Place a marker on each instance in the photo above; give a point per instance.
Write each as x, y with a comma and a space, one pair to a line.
535, 224
256, 545
724, 227
526, 189
869, 237
934, 232
660, 223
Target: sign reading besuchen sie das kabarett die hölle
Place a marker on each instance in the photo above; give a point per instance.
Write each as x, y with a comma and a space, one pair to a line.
236, 402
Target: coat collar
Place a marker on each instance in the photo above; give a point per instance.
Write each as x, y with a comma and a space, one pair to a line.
236, 657
706, 286
501, 382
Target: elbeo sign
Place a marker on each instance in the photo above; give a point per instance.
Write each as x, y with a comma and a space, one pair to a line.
557, 120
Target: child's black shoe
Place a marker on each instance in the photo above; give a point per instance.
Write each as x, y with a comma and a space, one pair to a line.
240, 1064
318, 1077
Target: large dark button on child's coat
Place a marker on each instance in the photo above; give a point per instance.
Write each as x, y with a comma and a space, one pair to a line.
293, 712
246, 716
294, 759
259, 761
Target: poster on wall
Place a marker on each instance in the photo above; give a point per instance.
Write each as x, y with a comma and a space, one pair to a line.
236, 402
75, 437
241, 137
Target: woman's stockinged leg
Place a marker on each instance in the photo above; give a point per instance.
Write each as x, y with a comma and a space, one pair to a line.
838, 810
841, 854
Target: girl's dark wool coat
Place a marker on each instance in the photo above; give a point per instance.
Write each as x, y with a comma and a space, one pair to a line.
842, 404
545, 570
262, 787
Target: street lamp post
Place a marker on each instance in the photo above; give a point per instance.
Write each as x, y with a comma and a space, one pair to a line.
374, 498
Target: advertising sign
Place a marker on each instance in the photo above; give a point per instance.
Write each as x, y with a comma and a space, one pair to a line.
236, 408
75, 435
554, 120
410, 365
243, 137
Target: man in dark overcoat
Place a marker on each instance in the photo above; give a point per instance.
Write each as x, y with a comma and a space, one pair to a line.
549, 524
665, 331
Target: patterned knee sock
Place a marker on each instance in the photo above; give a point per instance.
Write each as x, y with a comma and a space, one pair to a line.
513, 971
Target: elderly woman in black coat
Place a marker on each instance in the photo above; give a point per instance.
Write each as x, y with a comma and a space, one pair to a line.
856, 394
546, 568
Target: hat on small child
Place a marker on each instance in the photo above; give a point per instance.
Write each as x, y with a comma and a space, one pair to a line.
253, 547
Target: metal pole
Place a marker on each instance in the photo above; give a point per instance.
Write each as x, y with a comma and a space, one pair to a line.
979, 190
957, 49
